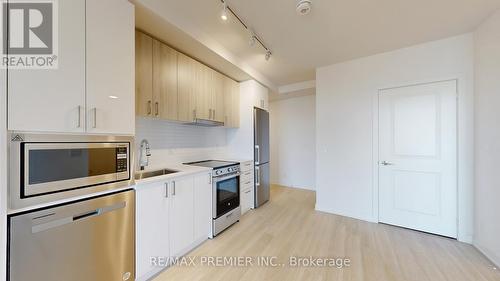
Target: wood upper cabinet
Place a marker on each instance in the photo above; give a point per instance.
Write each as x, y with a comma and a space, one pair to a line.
187, 87
219, 107
231, 103
203, 91
164, 81
143, 74
173, 86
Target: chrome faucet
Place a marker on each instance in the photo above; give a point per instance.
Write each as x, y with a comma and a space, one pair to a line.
145, 154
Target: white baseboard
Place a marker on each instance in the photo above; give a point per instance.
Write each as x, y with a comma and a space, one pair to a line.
494, 259
336, 212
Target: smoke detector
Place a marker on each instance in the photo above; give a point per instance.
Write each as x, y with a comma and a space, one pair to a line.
304, 7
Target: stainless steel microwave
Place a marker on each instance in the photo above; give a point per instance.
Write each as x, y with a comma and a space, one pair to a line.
48, 168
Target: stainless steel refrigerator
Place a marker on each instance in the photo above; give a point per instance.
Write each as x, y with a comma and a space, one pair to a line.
261, 156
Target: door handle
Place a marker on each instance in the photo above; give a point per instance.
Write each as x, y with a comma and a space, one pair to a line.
95, 118
257, 151
385, 163
79, 116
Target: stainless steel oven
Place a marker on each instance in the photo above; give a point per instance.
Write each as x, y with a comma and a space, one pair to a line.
47, 168
226, 197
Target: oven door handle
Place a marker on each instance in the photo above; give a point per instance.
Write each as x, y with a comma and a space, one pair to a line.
226, 177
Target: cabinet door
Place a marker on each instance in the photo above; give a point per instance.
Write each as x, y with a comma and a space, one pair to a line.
232, 103
203, 91
110, 67
181, 216
186, 88
218, 97
164, 81
202, 206
152, 228
143, 74
53, 100
235, 114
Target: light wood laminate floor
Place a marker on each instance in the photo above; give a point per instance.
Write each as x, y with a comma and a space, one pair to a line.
289, 226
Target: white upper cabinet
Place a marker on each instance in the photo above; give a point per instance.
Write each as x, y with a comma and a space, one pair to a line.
92, 90
53, 100
110, 67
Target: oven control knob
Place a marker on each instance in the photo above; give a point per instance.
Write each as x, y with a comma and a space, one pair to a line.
218, 172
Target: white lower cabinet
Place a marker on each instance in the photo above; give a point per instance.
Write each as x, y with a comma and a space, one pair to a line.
181, 216
247, 194
172, 218
247, 198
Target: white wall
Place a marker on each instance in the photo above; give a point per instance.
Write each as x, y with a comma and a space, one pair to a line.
487, 138
173, 143
240, 140
346, 112
293, 142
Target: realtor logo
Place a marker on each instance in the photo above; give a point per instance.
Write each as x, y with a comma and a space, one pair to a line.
29, 34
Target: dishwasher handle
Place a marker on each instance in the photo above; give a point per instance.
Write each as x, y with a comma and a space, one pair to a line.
76, 217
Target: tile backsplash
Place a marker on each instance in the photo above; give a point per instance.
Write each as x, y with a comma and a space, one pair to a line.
173, 142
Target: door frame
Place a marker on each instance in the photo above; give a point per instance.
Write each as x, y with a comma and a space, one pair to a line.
465, 151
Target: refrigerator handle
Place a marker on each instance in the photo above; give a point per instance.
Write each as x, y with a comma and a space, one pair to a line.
257, 151
257, 176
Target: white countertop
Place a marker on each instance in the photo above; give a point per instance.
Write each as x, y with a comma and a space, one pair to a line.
183, 170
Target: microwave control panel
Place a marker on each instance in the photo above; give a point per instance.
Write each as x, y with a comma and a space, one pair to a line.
121, 159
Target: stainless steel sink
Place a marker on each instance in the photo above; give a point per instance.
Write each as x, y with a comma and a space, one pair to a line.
156, 173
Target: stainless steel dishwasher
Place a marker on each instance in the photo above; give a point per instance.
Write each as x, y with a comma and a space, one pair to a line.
86, 240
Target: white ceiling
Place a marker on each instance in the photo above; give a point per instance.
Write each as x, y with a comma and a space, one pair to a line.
335, 30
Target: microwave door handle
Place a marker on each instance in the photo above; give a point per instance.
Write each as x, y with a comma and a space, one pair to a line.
76, 217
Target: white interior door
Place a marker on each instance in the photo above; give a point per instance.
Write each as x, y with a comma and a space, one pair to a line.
418, 157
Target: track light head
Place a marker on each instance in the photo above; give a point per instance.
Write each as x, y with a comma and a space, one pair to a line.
252, 41
224, 15
268, 55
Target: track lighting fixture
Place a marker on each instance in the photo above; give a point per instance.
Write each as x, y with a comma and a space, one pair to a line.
224, 16
254, 38
268, 55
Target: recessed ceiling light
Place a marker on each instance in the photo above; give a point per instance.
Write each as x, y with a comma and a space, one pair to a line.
113, 97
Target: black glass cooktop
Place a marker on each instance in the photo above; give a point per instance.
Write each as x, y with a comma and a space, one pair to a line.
215, 164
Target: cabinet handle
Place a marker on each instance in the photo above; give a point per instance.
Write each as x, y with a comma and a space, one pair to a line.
210, 114
156, 109
79, 116
166, 189
214, 114
173, 188
95, 118
194, 114
149, 108
248, 191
